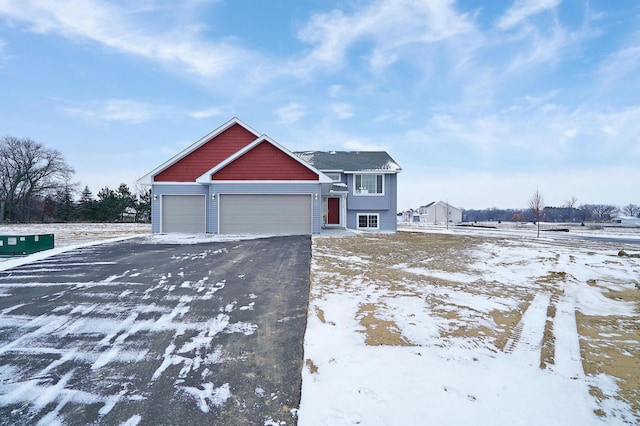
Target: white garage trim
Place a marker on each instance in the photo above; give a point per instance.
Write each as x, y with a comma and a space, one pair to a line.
183, 213
265, 214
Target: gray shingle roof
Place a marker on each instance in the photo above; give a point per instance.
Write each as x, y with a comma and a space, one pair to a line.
352, 161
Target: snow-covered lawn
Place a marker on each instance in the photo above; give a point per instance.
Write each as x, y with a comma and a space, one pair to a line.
455, 328
67, 234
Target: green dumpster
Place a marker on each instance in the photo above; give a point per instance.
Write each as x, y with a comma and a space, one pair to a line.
22, 245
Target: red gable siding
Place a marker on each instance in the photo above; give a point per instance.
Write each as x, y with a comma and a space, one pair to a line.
222, 146
264, 162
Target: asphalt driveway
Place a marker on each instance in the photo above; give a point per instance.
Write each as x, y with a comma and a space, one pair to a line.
138, 332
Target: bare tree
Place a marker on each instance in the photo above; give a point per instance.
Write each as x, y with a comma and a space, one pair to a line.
536, 205
603, 212
632, 210
571, 203
28, 172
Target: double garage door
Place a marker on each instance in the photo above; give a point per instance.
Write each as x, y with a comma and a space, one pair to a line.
265, 214
240, 213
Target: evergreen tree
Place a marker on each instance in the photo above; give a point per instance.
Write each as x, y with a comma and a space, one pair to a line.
87, 206
107, 206
126, 200
65, 208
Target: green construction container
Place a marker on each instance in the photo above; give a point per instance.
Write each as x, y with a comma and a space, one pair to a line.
22, 245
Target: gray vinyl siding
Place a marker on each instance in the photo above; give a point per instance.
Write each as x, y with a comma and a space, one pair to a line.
310, 189
388, 219
383, 205
158, 190
370, 201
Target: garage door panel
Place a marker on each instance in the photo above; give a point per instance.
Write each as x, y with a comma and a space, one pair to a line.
184, 213
265, 213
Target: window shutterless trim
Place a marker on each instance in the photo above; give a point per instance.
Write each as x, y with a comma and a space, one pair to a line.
377, 187
371, 220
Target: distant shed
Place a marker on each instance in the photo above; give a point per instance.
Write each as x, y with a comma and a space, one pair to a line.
626, 220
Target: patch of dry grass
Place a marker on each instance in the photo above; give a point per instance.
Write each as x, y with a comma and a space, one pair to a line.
611, 345
387, 264
379, 331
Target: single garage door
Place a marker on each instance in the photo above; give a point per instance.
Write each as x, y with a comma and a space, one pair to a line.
184, 213
265, 214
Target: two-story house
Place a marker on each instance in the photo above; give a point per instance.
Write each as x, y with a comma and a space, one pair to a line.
235, 180
363, 194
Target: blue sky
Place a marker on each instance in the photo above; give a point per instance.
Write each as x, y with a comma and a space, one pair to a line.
480, 102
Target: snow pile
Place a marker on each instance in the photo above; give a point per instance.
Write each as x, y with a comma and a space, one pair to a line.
183, 238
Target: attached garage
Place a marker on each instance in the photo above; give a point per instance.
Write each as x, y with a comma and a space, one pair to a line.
265, 214
236, 181
184, 213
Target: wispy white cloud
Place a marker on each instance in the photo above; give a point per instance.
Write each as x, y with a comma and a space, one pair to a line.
325, 135
121, 27
122, 110
544, 135
546, 47
389, 24
131, 111
342, 110
335, 90
205, 113
541, 99
3, 55
523, 9
290, 113
398, 116
620, 64
528, 43
363, 144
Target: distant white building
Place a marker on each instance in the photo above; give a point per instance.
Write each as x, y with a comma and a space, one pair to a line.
626, 220
438, 212
410, 215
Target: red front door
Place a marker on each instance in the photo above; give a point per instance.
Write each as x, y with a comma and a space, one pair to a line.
333, 211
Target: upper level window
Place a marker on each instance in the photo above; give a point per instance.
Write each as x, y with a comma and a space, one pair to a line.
333, 176
369, 184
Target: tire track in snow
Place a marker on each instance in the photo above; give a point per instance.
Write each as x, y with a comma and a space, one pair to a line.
526, 338
568, 358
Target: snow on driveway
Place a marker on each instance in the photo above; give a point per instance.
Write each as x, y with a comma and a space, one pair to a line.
457, 330
142, 331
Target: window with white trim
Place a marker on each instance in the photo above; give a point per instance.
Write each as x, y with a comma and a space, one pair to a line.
369, 184
368, 221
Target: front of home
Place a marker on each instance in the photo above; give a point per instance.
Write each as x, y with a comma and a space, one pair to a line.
237, 181
363, 194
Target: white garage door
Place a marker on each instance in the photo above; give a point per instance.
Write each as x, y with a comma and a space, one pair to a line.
184, 213
265, 214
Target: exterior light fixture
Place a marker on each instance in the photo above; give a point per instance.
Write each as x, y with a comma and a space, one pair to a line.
213, 196
155, 197
315, 196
